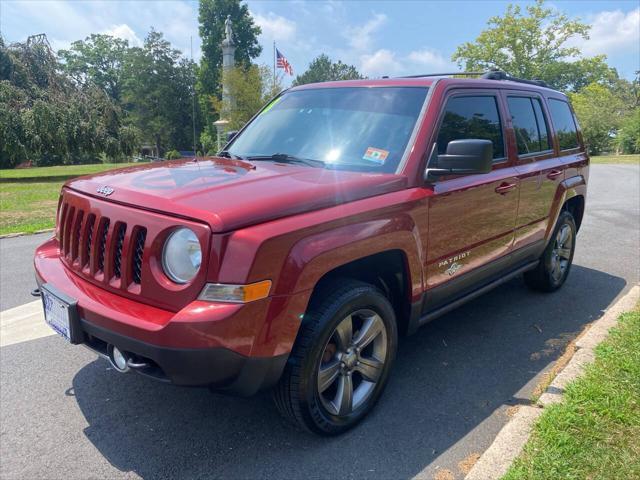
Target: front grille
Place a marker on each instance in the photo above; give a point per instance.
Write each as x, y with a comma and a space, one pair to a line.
80, 226
117, 255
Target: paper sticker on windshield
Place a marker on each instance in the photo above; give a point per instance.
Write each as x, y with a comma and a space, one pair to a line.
376, 155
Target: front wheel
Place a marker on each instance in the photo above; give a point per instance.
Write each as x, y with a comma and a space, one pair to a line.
556, 260
341, 361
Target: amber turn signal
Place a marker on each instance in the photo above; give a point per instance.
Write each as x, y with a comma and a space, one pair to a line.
219, 292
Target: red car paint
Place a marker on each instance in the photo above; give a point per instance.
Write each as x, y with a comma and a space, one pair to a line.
293, 224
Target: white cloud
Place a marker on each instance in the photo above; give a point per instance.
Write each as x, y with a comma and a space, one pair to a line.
124, 32
361, 37
381, 62
276, 27
387, 62
611, 32
429, 59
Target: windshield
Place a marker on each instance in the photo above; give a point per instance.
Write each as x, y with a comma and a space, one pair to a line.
356, 128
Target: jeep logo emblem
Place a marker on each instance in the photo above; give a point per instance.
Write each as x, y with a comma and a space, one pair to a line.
105, 190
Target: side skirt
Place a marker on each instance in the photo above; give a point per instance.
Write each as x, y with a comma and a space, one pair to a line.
432, 315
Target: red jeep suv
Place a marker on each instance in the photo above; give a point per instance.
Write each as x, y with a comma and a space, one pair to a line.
342, 215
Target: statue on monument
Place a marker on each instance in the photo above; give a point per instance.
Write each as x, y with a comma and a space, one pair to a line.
228, 32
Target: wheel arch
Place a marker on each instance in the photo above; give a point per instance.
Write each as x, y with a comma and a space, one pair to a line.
386, 270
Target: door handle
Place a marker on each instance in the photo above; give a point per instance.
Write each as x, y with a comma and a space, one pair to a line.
554, 174
505, 188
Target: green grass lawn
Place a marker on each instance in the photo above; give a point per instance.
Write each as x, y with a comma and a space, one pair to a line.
29, 197
595, 432
620, 159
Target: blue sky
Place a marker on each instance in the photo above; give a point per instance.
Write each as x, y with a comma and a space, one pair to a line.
378, 37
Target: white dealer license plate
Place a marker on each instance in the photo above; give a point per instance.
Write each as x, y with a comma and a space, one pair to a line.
56, 314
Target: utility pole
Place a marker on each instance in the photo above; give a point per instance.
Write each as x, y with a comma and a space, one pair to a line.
193, 101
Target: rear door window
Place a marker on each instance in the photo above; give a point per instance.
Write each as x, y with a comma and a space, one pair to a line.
529, 125
472, 117
564, 124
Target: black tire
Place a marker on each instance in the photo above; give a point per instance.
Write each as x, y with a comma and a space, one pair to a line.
298, 396
555, 262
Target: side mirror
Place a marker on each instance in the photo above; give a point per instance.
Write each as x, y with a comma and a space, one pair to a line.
464, 157
231, 135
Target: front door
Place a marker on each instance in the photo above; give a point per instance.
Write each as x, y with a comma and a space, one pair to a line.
472, 217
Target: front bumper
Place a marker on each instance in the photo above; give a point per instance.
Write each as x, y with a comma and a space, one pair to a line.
235, 348
217, 368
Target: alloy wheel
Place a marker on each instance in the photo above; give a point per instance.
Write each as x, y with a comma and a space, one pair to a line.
561, 253
352, 362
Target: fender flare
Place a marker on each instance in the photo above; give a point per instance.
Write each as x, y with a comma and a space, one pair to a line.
567, 189
314, 256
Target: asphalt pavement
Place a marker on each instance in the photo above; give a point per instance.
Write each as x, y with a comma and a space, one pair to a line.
66, 414
16, 269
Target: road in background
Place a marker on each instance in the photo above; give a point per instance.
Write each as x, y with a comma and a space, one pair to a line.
66, 414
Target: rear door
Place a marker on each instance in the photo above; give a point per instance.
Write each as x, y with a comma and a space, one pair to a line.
539, 170
472, 217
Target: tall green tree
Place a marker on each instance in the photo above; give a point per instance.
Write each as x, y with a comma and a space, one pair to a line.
322, 69
158, 93
212, 15
97, 59
534, 44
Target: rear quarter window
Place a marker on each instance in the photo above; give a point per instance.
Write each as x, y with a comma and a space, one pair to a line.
564, 123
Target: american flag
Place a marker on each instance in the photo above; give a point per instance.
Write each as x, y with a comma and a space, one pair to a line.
283, 63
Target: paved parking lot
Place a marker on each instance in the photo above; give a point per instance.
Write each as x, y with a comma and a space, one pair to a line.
66, 414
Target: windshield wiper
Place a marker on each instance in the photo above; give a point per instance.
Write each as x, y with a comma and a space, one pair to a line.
286, 158
228, 154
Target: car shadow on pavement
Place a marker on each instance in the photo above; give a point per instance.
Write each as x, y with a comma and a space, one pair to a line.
460, 372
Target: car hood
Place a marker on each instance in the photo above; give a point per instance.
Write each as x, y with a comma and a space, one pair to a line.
230, 194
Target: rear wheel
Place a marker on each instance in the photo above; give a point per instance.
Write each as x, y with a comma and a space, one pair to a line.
341, 361
556, 260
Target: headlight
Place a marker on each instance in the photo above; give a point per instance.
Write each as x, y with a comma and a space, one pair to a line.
181, 255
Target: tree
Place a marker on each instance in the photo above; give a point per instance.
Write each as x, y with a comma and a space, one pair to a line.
628, 137
600, 113
212, 15
97, 59
158, 91
46, 117
534, 45
251, 88
322, 69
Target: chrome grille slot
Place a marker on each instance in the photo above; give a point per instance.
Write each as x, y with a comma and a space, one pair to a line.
138, 254
117, 252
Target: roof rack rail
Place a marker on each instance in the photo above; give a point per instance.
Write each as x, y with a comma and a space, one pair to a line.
448, 74
500, 75
493, 74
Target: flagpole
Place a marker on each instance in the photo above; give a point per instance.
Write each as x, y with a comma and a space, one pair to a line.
274, 65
